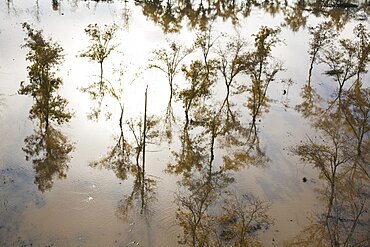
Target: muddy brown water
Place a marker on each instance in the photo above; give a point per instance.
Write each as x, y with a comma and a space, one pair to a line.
77, 204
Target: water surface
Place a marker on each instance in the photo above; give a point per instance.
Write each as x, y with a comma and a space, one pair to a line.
287, 149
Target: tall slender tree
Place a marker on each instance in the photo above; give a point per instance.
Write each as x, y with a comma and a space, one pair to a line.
44, 56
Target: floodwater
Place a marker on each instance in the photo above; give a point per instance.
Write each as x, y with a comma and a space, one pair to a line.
184, 123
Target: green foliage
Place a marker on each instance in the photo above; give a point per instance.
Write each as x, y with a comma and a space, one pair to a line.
230, 60
50, 155
169, 61
242, 217
346, 62
321, 36
262, 70
362, 47
341, 147
43, 84
201, 79
100, 38
98, 51
264, 40
347, 59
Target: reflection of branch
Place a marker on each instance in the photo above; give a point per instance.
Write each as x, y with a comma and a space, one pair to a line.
169, 61
117, 159
98, 51
345, 59
337, 159
144, 133
144, 192
49, 152
242, 216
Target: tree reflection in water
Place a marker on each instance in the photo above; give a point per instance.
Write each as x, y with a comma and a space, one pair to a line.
262, 68
144, 186
169, 61
204, 182
98, 51
50, 154
341, 150
212, 131
127, 158
171, 15
48, 148
216, 141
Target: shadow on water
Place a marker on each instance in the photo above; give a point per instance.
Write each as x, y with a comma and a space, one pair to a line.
340, 150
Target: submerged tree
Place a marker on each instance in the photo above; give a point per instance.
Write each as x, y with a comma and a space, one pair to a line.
321, 37
194, 204
242, 217
48, 148
340, 151
43, 85
98, 51
50, 155
169, 62
201, 79
345, 62
205, 179
231, 65
214, 144
203, 183
262, 68
127, 158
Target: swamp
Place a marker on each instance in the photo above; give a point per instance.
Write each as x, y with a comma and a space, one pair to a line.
184, 123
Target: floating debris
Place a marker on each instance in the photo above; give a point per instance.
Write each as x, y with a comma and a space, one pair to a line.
133, 243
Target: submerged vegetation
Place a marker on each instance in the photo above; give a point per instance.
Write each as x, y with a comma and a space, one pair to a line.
48, 148
98, 51
210, 135
340, 151
43, 86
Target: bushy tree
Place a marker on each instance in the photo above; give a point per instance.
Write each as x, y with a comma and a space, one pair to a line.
44, 56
